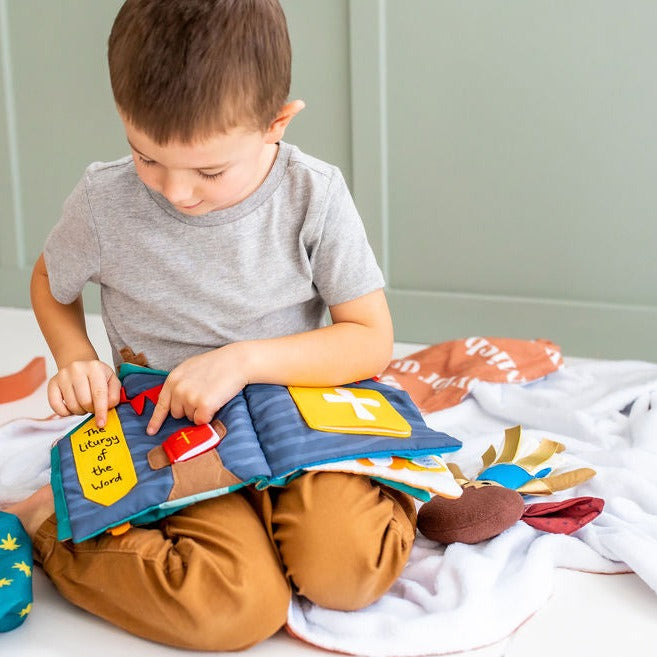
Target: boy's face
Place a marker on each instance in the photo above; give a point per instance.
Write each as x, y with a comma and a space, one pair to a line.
200, 177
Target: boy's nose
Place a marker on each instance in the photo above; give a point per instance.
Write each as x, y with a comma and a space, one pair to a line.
176, 190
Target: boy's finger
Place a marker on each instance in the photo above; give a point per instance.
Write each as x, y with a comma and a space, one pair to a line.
114, 391
202, 415
160, 413
56, 400
98, 387
71, 399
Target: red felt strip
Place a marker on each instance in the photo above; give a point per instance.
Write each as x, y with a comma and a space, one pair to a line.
139, 401
24, 383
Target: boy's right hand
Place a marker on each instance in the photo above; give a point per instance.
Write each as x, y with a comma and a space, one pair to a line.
84, 386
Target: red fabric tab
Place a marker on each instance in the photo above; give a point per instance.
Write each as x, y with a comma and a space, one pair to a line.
139, 401
189, 442
441, 375
563, 517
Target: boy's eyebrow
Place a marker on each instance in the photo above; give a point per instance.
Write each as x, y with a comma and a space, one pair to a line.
205, 168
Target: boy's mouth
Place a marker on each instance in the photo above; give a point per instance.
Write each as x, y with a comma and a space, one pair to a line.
190, 207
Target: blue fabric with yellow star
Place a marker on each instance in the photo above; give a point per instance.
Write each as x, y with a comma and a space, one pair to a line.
15, 572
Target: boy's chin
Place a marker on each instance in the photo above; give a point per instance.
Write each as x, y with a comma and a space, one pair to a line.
196, 208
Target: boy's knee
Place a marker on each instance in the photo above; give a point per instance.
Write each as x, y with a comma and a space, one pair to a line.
345, 590
245, 627
257, 613
343, 540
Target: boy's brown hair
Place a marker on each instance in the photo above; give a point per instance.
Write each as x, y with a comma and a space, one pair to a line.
187, 69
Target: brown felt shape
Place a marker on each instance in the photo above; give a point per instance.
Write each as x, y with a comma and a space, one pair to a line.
480, 513
202, 473
157, 458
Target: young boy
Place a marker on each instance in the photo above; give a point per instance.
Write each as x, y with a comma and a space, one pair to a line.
218, 248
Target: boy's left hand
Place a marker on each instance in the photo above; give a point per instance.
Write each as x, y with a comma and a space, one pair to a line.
200, 386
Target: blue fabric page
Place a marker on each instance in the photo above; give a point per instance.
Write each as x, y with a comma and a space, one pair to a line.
289, 444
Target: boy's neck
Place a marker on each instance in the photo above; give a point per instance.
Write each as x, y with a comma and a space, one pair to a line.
270, 152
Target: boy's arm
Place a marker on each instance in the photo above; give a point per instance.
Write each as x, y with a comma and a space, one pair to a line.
83, 383
357, 345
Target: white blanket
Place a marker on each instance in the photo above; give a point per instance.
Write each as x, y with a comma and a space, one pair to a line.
471, 598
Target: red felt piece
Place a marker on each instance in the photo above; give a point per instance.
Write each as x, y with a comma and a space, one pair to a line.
139, 401
189, 442
563, 517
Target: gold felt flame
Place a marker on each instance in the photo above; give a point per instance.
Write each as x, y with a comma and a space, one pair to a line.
531, 462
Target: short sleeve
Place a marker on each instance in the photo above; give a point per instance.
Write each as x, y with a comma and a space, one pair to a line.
344, 265
71, 252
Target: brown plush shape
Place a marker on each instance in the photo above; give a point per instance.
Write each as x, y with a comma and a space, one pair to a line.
480, 513
129, 356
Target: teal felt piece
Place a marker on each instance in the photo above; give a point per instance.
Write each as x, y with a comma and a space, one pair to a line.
15, 572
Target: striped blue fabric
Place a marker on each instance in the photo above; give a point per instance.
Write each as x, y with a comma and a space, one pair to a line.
290, 444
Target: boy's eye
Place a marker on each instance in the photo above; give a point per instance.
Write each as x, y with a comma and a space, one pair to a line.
206, 176
210, 176
148, 163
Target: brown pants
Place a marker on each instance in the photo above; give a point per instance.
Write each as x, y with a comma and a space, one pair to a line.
218, 575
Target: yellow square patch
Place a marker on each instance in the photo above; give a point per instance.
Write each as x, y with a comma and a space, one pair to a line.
349, 410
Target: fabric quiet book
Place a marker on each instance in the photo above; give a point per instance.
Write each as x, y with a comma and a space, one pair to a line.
266, 435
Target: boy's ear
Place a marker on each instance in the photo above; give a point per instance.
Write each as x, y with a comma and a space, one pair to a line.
277, 127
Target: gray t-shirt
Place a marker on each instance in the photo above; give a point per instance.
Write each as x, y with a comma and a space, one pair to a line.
174, 285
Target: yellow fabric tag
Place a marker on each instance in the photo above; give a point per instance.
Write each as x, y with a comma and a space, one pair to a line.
103, 461
119, 529
349, 410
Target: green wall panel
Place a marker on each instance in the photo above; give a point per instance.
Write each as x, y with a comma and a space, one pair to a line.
64, 113
11, 244
514, 154
522, 158
319, 32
